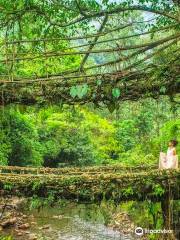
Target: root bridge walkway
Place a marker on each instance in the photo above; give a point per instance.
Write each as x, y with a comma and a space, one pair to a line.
92, 183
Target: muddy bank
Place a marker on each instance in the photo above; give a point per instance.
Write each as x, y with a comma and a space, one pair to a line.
13, 221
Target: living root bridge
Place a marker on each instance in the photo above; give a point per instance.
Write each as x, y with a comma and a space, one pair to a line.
153, 185
75, 170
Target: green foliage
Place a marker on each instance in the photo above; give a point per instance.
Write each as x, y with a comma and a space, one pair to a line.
158, 190
79, 91
19, 141
128, 191
8, 186
154, 210
144, 120
102, 133
66, 141
36, 185
116, 92
146, 214
58, 25
170, 130
36, 202
126, 133
5, 148
6, 238
60, 136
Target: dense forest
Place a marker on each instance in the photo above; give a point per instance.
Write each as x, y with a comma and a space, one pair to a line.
42, 62
89, 97
57, 136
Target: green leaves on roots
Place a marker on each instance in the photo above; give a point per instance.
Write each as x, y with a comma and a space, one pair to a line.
116, 92
79, 91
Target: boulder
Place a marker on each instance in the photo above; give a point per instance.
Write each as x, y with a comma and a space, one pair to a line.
9, 222
24, 226
32, 237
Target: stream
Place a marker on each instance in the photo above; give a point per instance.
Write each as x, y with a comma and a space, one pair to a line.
75, 221
69, 222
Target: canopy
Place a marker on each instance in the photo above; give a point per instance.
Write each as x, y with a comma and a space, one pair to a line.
88, 51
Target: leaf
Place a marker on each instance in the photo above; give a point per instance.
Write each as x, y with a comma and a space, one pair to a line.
116, 92
73, 91
85, 89
158, 190
162, 89
82, 90
99, 82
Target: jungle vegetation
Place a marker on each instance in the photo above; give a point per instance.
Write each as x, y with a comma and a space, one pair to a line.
90, 82
57, 136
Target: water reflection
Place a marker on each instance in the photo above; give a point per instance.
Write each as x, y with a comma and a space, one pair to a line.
75, 222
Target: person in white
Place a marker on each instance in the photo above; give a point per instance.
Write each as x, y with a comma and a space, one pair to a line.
169, 160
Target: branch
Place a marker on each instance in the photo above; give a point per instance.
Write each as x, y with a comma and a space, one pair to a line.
72, 38
93, 43
127, 57
80, 9
118, 9
110, 50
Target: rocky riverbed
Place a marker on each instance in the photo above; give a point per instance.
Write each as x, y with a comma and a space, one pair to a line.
74, 221
13, 221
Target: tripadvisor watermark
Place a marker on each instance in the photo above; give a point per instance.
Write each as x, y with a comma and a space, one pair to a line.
140, 231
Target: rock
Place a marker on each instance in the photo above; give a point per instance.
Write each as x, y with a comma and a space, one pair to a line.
117, 223
58, 217
24, 226
33, 223
18, 202
32, 237
46, 226
8, 215
122, 222
9, 222
19, 234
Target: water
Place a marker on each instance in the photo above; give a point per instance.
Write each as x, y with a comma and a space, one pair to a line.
74, 222
77, 229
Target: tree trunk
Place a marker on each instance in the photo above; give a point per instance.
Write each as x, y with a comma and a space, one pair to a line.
167, 216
